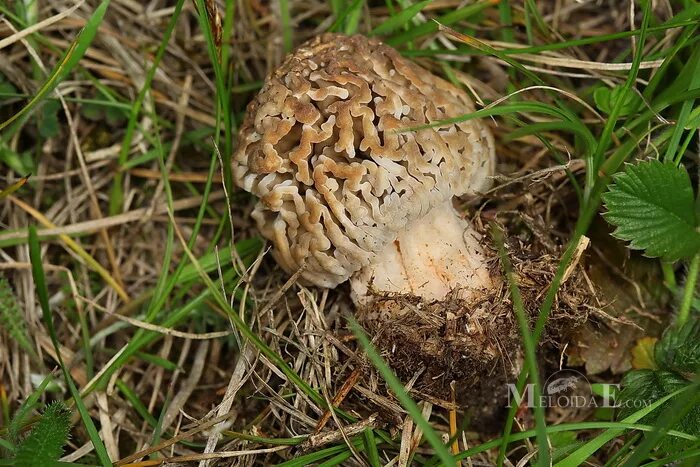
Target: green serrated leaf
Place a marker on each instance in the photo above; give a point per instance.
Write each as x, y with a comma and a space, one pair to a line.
44, 444
651, 204
679, 348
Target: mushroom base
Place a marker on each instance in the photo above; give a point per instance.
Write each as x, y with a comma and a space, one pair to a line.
431, 258
475, 339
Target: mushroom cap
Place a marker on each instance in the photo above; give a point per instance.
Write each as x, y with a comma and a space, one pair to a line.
335, 181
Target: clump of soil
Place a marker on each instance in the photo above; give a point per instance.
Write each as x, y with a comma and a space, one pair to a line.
476, 342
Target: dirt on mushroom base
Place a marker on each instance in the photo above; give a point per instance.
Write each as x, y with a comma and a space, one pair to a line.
476, 342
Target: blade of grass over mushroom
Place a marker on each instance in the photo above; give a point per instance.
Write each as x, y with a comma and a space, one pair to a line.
565, 121
400, 18
529, 346
501, 109
116, 195
43, 294
69, 60
400, 392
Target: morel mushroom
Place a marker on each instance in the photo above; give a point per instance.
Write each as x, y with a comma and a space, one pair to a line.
342, 190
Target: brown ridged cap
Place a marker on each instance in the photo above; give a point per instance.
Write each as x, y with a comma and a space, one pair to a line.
335, 182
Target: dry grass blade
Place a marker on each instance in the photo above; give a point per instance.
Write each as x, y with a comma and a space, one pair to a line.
176, 439
339, 397
323, 439
74, 246
14, 187
39, 26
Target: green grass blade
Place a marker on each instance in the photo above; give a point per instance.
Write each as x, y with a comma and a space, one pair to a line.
529, 347
353, 18
136, 403
14, 187
342, 18
71, 58
579, 456
371, 448
399, 19
563, 428
316, 456
397, 388
287, 29
223, 96
690, 455
606, 135
43, 294
432, 26
243, 328
680, 407
672, 152
116, 195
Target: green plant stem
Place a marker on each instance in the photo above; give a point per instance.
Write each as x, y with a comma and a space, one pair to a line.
689, 291
669, 275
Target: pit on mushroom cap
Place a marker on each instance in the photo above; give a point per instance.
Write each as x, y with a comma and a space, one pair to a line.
341, 190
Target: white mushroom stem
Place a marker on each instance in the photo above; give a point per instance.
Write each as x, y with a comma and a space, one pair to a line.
430, 258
